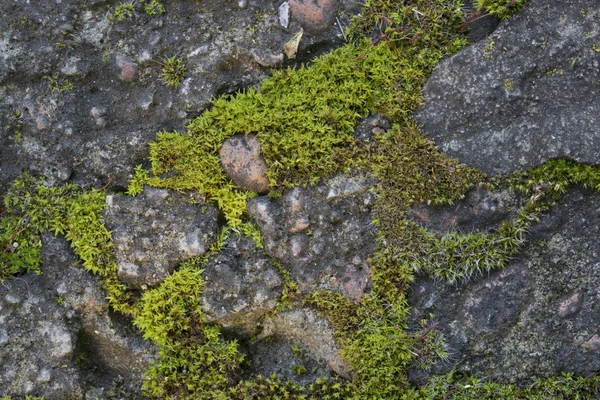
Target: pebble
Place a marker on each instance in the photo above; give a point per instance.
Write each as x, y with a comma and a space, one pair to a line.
243, 163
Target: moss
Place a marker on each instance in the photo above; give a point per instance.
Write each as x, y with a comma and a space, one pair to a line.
564, 387
153, 7
502, 9
173, 71
32, 208
123, 11
251, 230
304, 118
58, 85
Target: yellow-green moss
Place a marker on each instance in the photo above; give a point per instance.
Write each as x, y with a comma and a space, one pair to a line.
31, 208
502, 9
304, 118
565, 387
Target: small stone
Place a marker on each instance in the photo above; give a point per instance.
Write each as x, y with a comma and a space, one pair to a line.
592, 344
97, 112
340, 366
284, 14
315, 16
298, 225
243, 163
570, 306
128, 68
41, 123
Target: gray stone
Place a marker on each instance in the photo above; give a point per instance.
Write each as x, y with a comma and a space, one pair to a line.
526, 94
39, 342
116, 65
242, 284
109, 354
323, 235
293, 338
157, 230
538, 316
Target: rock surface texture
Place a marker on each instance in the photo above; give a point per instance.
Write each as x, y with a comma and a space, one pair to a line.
324, 235
538, 316
526, 94
82, 90
59, 339
242, 284
156, 231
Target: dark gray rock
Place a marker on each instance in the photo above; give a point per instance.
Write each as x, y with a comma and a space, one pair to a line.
242, 284
539, 315
526, 94
323, 235
295, 341
38, 339
481, 210
479, 22
110, 355
114, 66
157, 230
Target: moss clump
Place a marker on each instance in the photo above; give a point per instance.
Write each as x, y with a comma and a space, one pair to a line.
304, 118
195, 363
153, 7
502, 9
59, 85
251, 230
123, 11
173, 71
562, 387
31, 208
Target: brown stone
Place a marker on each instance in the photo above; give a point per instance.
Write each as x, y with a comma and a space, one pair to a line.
315, 16
243, 163
340, 367
128, 68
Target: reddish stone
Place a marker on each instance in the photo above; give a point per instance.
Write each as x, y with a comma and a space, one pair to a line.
243, 163
570, 306
298, 225
340, 367
41, 123
128, 68
315, 16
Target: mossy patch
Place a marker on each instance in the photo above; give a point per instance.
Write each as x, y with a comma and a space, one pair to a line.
30, 208
304, 118
563, 387
502, 9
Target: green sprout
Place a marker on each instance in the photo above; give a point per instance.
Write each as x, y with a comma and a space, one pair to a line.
173, 71
124, 10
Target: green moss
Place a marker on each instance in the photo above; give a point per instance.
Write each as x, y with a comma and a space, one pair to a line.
153, 7
124, 11
251, 230
32, 208
140, 178
304, 118
173, 71
59, 85
502, 9
563, 387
